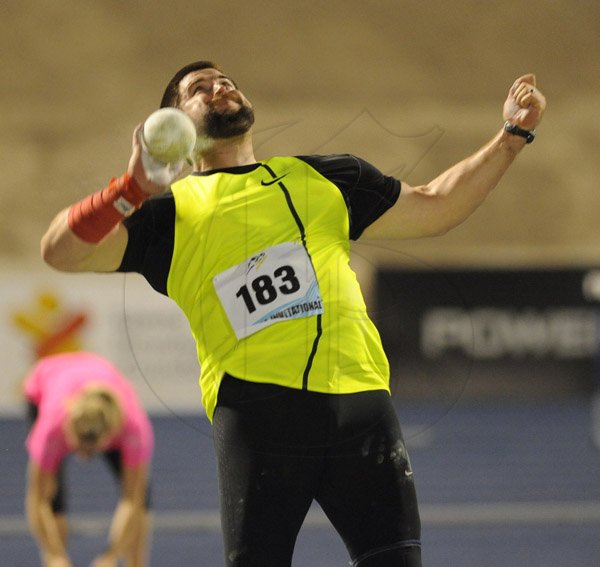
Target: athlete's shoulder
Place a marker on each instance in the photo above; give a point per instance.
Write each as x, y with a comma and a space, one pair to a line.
327, 163
343, 166
367, 191
151, 234
161, 200
157, 210
55, 362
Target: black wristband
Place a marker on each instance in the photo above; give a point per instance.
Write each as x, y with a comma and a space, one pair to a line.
516, 131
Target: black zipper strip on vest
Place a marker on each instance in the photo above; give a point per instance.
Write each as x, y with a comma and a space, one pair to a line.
300, 226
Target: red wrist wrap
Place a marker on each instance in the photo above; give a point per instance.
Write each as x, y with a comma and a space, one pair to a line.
92, 218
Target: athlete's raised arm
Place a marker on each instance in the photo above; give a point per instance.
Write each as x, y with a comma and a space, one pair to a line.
88, 236
449, 199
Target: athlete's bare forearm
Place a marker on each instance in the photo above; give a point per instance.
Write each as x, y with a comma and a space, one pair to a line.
62, 249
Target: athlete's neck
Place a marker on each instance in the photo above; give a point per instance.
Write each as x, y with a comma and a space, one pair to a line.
230, 152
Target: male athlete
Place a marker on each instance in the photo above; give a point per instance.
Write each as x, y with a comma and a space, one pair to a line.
293, 373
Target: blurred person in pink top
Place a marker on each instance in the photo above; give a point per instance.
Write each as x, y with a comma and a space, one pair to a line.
79, 403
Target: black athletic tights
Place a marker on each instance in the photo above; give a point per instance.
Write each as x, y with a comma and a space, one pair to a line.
279, 449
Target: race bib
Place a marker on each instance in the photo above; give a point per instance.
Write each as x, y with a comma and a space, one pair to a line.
275, 285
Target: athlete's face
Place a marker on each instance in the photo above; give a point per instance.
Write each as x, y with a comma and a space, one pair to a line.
86, 447
216, 106
85, 443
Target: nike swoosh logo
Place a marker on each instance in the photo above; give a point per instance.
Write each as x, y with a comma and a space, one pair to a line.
271, 181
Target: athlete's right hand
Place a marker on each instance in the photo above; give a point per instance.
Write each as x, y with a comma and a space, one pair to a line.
151, 184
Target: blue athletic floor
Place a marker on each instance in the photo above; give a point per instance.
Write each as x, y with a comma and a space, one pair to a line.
500, 485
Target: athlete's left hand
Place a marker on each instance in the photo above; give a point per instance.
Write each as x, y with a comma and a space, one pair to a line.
525, 103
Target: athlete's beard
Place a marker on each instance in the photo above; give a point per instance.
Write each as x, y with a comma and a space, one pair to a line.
219, 125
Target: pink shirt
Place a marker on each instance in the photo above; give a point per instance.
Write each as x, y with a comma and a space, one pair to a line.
57, 378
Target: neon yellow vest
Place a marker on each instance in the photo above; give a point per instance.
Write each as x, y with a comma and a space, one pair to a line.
222, 219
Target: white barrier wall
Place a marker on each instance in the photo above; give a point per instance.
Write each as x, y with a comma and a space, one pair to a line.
142, 332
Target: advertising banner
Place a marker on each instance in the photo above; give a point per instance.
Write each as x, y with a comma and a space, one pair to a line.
500, 332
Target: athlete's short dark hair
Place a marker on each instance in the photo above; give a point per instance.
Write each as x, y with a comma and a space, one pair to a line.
171, 94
